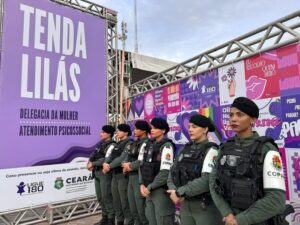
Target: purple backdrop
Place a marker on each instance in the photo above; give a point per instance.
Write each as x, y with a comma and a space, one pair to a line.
76, 74
291, 121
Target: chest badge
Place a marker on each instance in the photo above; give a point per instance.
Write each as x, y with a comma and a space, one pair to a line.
232, 160
223, 160
180, 157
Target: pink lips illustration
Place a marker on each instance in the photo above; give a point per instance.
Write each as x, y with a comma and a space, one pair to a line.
255, 87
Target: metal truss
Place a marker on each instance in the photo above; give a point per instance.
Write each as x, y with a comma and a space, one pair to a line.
113, 74
91, 8
65, 211
276, 34
52, 213
112, 85
24, 216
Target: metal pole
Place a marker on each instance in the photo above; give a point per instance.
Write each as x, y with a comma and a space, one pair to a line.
136, 48
123, 38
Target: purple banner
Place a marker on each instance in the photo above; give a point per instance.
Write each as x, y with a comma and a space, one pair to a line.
269, 121
221, 119
138, 107
209, 89
52, 95
179, 126
160, 102
291, 121
190, 95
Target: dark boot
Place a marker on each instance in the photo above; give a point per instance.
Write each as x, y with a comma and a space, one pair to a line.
120, 222
103, 221
111, 221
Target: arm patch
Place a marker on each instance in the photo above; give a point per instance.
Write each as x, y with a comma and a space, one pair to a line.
141, 152
109, 151
273, 176
167, 157
209, 161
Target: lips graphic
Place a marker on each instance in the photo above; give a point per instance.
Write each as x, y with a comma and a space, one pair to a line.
255, 87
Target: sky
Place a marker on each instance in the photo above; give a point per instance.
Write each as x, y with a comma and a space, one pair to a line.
179, 30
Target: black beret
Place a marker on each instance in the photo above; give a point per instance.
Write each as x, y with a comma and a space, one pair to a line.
125, 128
247, 106
142, 125
161, 124
109, 129
202, 121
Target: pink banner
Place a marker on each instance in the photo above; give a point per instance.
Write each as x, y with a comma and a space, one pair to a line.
283, 158
149, 105
173, 97
262, 79
289, 69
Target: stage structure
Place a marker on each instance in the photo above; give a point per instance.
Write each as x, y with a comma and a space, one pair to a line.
274, 35
263, 65
81, 207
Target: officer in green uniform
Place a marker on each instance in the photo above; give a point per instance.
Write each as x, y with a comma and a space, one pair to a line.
119, 184
189, 176
130, 166
247, 183
154, 171
103, 181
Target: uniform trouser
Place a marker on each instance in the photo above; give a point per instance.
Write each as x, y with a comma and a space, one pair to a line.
136, 200
119, 187
192, 213
106, 196
98, 191
160, 210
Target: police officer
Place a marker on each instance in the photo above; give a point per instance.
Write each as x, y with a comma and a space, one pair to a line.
130, 166
247, 184
189, 176
102, 181
119, 184
154, 171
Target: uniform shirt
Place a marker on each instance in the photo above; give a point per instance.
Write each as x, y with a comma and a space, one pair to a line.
167, 157
200, 185
100, 161
271, 204
135, 165
118, 160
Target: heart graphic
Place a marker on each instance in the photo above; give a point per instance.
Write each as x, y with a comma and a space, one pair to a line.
139, 105
255, 87
183, 121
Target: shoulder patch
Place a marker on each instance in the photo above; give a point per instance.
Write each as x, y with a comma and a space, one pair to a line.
166, 158
109, 151
209, 161
141, 151
273, 176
